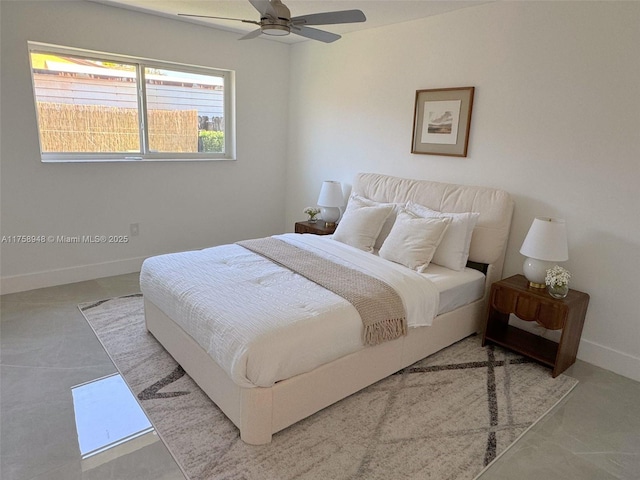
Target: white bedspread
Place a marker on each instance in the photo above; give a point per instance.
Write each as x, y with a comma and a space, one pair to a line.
261, 322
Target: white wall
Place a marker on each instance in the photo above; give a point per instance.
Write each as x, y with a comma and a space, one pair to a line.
556, 122
178, 205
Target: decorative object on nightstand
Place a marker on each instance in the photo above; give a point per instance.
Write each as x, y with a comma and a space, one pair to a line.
514, 296
331, 199
557, 281
544, 245
312, 212
317, 228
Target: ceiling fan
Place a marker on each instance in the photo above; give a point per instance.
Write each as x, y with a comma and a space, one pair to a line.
276, 20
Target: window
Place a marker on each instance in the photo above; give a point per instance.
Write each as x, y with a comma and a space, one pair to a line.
95, 106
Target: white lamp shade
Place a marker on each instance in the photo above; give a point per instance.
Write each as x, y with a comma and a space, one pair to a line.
331, 194
546, 240
545, 244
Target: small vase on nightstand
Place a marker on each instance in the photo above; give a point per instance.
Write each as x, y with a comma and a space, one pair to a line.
558, 291
557, 281
312, 212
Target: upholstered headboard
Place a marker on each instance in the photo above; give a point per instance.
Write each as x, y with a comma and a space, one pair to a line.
489, 241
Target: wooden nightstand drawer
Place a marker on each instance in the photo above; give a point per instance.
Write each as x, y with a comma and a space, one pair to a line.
503, 299
317, 228
530, 306
526, 308
552, 315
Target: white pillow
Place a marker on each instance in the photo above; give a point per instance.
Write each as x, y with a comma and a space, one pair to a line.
413, 240
356, 200
361, 225
453, 251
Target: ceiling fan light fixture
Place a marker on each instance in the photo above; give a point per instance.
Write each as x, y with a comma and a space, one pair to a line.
276, 30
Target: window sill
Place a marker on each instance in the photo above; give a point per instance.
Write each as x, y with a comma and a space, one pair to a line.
133, 160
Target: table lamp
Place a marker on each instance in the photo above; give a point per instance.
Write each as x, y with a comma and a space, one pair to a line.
329, 201
544, 245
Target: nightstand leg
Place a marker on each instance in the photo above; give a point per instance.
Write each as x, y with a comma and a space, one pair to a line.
495, 320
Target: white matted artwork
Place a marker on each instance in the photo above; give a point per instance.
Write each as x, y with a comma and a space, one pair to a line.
440, 122
442, 119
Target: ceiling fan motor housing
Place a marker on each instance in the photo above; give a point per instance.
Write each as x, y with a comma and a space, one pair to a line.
277, 26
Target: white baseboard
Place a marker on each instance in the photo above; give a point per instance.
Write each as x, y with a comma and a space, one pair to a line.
62, 276
605, 357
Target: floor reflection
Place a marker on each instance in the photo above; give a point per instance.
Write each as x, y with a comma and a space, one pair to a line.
109, 421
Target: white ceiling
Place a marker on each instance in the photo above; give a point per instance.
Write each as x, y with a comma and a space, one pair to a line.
378, 12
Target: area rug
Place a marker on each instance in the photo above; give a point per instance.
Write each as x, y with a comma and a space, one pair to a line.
445, 417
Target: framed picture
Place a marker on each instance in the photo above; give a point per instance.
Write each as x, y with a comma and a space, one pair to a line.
441, 121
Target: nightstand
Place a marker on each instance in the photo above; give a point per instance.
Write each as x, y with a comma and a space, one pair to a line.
513, 295
317, 228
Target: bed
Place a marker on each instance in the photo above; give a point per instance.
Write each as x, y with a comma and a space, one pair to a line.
271, 347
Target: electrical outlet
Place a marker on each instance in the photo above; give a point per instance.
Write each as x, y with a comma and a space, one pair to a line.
134, 229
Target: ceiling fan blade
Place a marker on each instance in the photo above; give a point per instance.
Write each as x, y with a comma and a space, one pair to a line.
265, 8
252, 34
329, 18
219, 18
315, 34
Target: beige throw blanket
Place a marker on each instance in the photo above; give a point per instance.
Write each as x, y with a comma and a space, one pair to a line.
379, 306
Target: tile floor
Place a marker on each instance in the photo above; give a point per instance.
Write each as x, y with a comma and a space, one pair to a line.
47, 347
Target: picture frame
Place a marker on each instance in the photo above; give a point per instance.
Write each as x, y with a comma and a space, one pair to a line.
442, 120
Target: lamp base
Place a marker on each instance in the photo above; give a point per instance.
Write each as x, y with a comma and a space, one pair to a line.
330, 215
536, 271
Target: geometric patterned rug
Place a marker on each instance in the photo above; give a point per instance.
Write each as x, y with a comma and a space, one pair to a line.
445, 417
